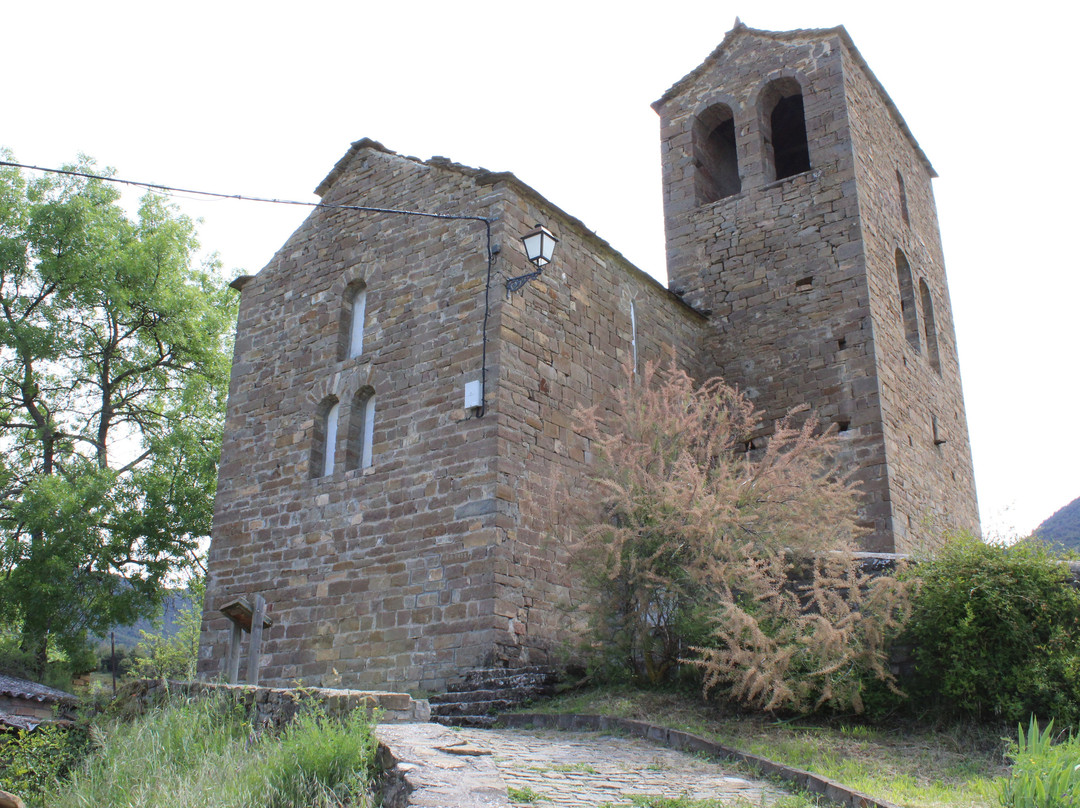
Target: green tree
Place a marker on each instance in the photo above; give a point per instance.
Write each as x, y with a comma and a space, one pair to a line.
158, 656
114, 354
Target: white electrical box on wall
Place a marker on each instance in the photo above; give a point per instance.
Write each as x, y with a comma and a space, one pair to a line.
474, 394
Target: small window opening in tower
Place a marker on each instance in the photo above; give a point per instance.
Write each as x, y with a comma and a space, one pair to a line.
804, 284
929, 328
716, 160
785, 119
843, 426
903, 196
907, 301
841, 343
633, 335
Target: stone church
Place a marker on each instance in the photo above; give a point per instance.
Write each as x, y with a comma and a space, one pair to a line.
397, 418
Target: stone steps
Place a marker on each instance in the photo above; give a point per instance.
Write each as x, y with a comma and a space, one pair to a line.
483, 693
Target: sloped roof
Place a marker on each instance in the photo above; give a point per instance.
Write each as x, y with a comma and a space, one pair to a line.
32, 691
741, 29
483, 176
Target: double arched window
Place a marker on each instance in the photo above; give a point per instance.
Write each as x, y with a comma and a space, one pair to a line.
359, 431
715, 149
355, 419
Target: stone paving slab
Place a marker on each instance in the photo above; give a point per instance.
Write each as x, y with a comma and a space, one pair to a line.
581, 769
463, 768
429, 766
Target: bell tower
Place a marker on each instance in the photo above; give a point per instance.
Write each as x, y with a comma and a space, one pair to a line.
799, 213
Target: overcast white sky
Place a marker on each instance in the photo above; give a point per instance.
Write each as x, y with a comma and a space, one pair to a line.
263, 98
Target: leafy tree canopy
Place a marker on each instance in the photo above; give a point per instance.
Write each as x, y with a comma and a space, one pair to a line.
114, 356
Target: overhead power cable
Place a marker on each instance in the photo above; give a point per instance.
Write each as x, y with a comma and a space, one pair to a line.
241, 197
363, 208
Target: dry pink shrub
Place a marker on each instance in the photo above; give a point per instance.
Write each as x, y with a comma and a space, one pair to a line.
695, 547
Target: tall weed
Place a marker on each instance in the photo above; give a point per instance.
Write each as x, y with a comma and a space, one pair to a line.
1044, 774
204, 754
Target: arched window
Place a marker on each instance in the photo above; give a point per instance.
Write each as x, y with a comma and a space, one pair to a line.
716, 162
324, 440
361, 429
351, 335
784, 127
929, 328
907, 300
903, 196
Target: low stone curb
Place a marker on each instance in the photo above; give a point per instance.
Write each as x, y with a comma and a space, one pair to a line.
276, 706
687, 742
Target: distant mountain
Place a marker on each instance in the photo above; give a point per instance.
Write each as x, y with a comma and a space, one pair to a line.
1063, 527
127, 637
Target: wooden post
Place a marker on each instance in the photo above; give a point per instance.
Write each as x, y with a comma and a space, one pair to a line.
255, 642
232, 662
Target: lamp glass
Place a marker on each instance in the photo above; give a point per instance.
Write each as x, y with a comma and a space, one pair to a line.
539, 245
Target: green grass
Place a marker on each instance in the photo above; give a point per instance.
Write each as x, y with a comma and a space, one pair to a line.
525, 795
203, 754
917, 766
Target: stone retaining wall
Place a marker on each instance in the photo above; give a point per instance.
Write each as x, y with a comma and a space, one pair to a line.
276, 706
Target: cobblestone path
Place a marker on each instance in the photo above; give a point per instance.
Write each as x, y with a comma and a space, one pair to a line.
591, 769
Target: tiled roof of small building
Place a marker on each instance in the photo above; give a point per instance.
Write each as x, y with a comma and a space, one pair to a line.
32, 691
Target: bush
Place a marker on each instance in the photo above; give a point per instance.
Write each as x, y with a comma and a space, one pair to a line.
996, 631
31, 762
692, 545
1044, 774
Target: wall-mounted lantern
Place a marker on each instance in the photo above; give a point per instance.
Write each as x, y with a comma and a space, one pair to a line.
539, 247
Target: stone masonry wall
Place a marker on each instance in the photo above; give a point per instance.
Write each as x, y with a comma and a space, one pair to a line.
437, 559
931, 485
379, 577
565, 341
780, 263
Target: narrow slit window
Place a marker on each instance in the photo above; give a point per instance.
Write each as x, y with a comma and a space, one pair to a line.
324, 439
356, 325
633, 334
903, 197
908, 312
353, 315
361, 429
929, 327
